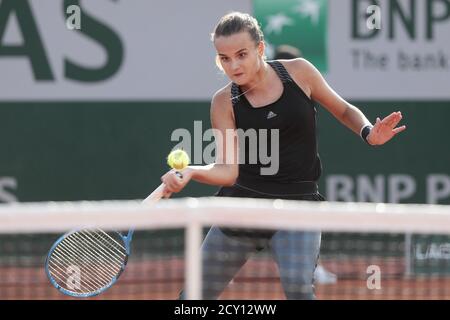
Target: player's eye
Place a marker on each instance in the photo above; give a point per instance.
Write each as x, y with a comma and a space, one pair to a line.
242, 54
224, 59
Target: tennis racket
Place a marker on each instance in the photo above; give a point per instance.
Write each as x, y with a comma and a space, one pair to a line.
87, 262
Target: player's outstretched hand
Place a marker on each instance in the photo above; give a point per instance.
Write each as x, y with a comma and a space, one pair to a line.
384, 130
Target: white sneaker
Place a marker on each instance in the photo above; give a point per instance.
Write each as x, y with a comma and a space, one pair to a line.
323, 276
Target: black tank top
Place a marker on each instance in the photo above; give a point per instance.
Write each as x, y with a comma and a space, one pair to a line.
294, 115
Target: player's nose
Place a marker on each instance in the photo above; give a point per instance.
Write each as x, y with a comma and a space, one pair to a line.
235, 65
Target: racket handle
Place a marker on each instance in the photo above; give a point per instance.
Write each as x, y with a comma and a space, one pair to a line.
158, 193
155, 195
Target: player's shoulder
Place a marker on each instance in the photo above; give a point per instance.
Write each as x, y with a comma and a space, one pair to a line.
224, 93
222, 98
298, 66
221, 107
302, 71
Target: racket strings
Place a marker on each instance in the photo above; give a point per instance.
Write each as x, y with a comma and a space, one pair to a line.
87, 261
113, 250
60, 272
91, 261
60, 275
97, 247
87, 265
63, 252
109, 239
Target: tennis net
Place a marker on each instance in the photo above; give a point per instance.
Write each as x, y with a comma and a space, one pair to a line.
367, 251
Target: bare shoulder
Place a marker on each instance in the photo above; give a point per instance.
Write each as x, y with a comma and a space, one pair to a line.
303, 72
221, 106
222, 95
300, 67
221, 101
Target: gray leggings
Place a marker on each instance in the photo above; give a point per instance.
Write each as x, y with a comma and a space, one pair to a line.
295, 252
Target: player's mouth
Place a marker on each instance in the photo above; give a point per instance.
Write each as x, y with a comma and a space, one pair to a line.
239, 74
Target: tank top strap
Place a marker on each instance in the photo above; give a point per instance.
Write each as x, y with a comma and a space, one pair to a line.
280, 70
235, 94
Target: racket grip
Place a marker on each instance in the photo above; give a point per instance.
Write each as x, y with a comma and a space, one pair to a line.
155, 195
158, 193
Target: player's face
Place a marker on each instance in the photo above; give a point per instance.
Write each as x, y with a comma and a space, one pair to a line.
239, 56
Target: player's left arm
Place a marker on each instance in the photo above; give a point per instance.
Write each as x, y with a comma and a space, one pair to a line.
349, 115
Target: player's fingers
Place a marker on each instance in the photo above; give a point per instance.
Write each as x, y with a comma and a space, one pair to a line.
174, 184
377, 125
397, 116
172, 181
387, 121
167, 194
392, 119
396, 120
166, 188
399, 129
170, 186
166, 177
169, 179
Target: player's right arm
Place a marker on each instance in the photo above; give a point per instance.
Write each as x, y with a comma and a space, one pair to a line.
224, 171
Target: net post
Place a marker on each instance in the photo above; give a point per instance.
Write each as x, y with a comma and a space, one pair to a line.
408, 258
193, 270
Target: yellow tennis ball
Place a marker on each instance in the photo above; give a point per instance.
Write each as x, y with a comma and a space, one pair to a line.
178, 159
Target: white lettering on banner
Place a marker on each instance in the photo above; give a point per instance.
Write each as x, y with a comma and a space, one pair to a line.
401, 186
391, 188
439, 251
340, 187
5, 195
368, 191
438, 187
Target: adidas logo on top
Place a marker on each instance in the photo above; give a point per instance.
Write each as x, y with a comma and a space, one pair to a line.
271, 115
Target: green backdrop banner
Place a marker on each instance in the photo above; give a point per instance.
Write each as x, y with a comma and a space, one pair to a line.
117, 150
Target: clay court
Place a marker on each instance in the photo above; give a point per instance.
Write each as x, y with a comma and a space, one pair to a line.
258, 279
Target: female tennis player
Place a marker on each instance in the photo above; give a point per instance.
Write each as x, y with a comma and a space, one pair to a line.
272, 95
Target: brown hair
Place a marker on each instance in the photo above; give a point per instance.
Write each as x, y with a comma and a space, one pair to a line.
236, 22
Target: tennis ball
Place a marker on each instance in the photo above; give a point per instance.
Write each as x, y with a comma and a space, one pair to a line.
178, 159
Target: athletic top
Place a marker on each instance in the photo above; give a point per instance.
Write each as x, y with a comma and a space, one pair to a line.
294, 115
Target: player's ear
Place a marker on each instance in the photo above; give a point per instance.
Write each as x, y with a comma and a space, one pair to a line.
261, 49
